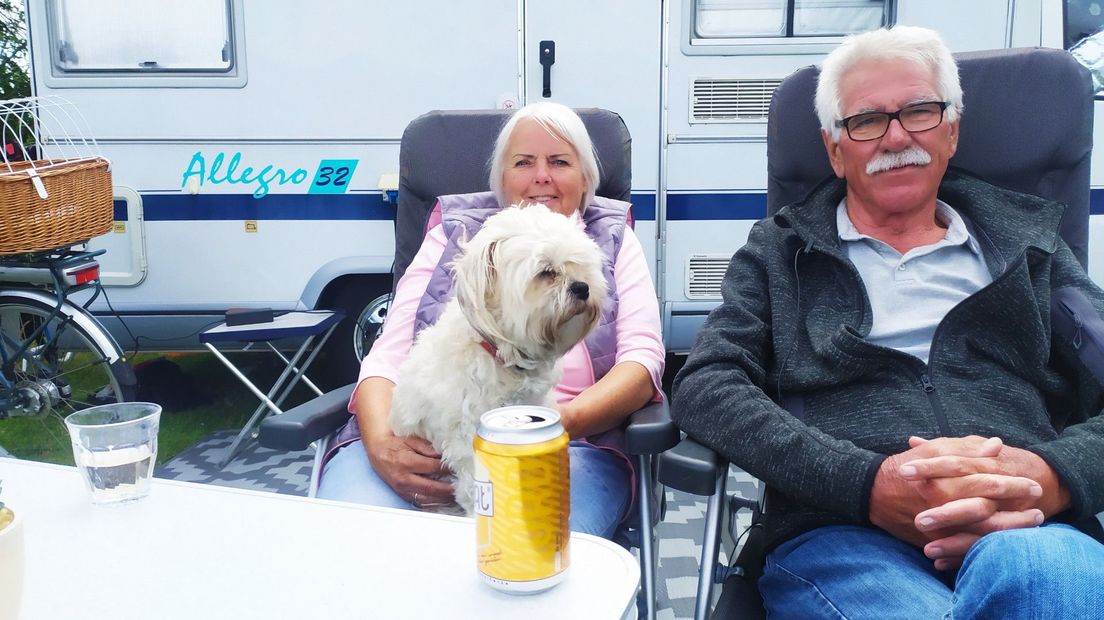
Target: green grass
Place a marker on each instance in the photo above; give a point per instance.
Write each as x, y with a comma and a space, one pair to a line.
44, 438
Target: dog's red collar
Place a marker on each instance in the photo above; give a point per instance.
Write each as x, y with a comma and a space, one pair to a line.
522, 365
490, 348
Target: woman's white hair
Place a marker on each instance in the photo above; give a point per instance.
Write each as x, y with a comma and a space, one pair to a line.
563, 123
910, 43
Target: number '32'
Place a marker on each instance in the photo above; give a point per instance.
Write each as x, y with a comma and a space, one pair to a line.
328, 175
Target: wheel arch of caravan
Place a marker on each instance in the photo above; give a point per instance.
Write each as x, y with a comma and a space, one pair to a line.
359, 286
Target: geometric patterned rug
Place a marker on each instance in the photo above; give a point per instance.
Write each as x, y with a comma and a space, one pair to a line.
253, 467
680, 533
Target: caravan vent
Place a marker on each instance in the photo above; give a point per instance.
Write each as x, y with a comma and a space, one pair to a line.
704, 273
729, 100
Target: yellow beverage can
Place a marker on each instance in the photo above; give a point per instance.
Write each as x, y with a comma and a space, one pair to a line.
522, 499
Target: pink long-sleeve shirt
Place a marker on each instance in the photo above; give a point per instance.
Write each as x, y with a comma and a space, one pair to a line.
638, 338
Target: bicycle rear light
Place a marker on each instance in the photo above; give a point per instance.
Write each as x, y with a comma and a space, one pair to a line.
84, 275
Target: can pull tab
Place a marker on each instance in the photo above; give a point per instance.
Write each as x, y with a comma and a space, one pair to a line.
37, 182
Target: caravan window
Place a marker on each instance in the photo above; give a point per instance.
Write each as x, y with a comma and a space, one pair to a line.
142, 37
725, 19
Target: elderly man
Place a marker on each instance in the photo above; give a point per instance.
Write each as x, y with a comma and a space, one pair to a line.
883, 361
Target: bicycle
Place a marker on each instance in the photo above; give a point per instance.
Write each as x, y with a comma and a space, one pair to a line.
55, 356
55, 195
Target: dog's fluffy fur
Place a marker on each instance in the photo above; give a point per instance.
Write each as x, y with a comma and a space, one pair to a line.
530, 283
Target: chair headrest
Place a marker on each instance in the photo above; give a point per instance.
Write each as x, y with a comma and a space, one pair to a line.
448, 152
1026, 126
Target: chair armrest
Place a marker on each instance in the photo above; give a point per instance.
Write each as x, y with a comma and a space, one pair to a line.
691, 467
650, 429
298, 427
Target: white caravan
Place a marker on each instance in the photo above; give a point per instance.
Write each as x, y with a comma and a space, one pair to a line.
254, 141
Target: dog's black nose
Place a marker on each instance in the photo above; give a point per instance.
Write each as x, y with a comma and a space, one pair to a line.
581, 290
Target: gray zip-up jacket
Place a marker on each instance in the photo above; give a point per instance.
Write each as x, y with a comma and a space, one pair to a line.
791, 330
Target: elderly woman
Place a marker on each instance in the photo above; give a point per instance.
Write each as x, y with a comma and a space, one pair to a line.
542, 155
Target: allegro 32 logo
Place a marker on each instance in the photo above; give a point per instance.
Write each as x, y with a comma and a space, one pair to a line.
331, 177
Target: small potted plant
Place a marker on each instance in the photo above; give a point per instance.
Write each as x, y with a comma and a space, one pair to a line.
11, 560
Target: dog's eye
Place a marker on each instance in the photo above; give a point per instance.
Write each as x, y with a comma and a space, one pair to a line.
547, 274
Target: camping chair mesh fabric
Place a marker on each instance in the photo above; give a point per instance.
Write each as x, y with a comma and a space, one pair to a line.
1026, 126
447, 152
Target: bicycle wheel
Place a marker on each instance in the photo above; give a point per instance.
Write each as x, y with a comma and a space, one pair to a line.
64, 369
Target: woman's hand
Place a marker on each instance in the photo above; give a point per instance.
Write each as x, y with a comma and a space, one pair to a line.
411, 467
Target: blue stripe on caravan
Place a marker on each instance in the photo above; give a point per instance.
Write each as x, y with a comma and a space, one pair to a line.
1096, 202
716, 206
173, 207
644, 207
180, 207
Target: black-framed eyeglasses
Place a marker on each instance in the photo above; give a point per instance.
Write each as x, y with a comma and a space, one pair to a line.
913, 118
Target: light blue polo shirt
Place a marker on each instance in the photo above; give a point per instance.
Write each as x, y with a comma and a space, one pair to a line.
911, 293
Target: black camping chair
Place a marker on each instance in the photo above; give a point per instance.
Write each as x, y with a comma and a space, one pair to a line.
1027, 126
446, 152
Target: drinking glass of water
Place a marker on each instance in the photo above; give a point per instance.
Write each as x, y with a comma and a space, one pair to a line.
115, 447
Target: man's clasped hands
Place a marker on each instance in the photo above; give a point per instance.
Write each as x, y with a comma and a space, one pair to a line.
944, 494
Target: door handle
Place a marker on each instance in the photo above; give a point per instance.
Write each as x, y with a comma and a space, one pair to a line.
547, 59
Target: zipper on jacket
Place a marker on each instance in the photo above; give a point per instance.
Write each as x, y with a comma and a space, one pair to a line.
937, 407
926, 383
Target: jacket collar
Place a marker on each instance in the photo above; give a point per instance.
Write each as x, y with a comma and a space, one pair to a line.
1012, 221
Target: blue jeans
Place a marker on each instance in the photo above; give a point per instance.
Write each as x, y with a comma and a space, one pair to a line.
1053, 571
601, 486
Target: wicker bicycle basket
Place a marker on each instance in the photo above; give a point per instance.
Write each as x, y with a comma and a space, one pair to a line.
78, 204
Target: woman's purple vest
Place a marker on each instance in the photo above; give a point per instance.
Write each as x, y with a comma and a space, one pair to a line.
462, 215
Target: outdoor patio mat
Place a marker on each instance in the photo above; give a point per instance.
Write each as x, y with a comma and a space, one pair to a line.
253, 467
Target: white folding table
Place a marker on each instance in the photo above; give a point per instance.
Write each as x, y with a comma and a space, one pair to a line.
201, 551
308, 325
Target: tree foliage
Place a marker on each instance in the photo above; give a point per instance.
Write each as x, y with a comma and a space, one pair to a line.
14, 80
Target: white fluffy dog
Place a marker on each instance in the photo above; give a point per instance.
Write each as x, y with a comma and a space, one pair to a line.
529, 286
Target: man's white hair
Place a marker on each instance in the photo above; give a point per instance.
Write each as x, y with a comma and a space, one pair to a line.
910, 43
563, 123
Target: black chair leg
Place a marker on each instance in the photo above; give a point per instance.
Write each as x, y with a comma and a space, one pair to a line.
739, 600
710, 547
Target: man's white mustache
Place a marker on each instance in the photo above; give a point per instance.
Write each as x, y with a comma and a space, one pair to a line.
912, 156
